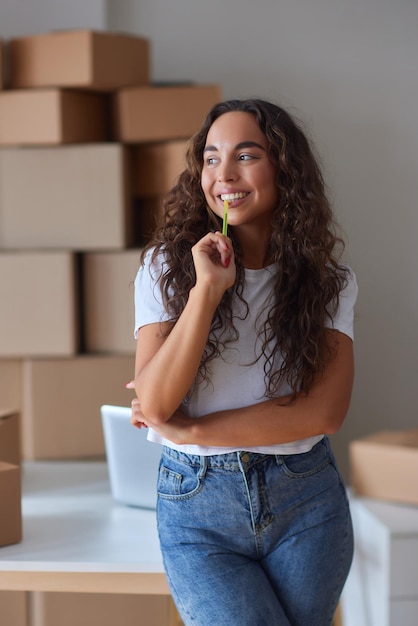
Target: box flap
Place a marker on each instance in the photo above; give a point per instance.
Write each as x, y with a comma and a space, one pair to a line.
7, 413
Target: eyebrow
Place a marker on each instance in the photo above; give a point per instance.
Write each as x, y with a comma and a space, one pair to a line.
239, 146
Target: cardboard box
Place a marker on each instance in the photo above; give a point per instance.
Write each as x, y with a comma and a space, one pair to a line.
74, 197
10, 499
146, 114
61, 404
11, 383
14, 608
39, 308
156, 167
93, 609
384, 465
9, 436
51, 117
109, 300
79, 59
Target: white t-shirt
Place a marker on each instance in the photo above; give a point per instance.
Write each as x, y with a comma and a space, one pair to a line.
236, 381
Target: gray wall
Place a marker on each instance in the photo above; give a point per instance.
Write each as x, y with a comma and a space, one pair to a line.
349, 70
26, 17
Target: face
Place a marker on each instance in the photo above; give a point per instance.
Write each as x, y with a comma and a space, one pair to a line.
236, 167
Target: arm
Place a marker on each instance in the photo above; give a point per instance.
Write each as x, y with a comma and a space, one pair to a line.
322, 411
166, 365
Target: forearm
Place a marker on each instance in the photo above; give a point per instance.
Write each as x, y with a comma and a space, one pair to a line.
163, 381
268, 423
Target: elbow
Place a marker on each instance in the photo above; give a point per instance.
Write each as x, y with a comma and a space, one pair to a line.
154, 411
155, 415
333, 420
333, 410
151, 405
157, 406
332, 427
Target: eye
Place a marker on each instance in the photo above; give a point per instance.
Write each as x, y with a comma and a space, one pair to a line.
245, 157
211, 160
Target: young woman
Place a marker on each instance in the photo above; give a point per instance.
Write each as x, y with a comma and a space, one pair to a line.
244, 365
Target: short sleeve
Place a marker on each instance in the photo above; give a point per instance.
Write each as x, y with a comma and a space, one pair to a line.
149, 307
343, 319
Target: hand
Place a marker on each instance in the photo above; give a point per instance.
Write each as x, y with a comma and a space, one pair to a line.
176, 429
137, 418
214, 261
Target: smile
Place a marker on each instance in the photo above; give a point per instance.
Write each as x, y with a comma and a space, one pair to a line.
233, 196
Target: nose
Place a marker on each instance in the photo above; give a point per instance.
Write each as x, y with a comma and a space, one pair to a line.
227, 172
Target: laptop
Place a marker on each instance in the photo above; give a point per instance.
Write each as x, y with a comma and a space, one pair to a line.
132, 460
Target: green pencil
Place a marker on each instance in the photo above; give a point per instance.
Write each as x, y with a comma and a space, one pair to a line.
225, 222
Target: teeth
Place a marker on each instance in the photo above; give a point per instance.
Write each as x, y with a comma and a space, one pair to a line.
233, 196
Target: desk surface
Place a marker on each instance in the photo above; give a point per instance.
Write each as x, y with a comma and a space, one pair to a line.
77, 538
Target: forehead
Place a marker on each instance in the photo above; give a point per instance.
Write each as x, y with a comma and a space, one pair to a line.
235, 127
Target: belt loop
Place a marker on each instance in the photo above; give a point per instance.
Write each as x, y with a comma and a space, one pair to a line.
203, 466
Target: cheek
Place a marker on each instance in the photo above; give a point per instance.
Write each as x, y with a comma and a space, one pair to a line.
269, 186
205, 183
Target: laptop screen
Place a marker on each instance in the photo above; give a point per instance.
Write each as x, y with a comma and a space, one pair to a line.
132, 460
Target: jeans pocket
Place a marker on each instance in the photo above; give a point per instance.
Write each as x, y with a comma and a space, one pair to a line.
306, 463
177, 480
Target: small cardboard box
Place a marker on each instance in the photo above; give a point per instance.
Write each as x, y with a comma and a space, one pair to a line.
146, 114
11, 383
384, 465
61, 404
11, 509
156, 167
74, 197
9, 436
52, 117
109, 300
79, 59
39, 304
93, 609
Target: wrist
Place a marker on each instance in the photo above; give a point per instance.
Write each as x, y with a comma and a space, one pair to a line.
208, 295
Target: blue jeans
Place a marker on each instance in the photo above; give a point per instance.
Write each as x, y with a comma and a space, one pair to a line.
252, 539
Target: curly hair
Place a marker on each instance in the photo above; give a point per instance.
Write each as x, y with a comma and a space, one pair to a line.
303, 243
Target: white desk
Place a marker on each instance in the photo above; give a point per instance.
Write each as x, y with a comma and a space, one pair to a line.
382, 587
76, 538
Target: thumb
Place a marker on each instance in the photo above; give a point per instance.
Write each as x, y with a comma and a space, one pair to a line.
130, 385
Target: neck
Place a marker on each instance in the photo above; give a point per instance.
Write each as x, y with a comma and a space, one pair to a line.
254, 246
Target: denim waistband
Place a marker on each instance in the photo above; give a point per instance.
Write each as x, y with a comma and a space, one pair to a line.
233, 461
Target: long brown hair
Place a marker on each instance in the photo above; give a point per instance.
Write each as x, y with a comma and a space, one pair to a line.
303, 243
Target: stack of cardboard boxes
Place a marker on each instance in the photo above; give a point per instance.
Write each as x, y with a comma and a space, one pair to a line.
88, 145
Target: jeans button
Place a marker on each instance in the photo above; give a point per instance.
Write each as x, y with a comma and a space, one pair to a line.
245, 457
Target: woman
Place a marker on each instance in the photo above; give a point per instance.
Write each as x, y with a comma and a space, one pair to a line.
244, 365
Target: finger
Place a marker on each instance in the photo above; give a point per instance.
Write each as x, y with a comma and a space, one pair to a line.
217, 247
222, 242
130, 385
225, 249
